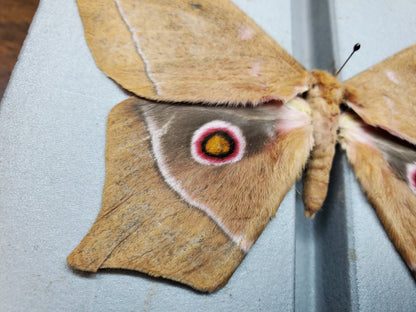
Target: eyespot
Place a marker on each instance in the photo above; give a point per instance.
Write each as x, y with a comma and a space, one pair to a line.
217, 143
411, 176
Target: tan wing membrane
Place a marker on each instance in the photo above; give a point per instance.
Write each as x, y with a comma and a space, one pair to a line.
380, 165
112, 47
167, 215
385, 95
205, 51
143, 224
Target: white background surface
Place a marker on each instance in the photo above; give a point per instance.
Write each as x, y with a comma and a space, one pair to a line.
52, 139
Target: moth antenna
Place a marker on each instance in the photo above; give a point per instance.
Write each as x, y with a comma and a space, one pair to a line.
357, 46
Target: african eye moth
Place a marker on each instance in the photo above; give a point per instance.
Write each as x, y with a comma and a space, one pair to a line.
220, 170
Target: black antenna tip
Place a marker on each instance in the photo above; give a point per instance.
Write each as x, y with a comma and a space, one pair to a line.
357, 46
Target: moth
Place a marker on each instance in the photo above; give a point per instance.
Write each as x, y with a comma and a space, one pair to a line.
200, 157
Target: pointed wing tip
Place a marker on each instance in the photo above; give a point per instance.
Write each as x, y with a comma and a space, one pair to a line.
80, 262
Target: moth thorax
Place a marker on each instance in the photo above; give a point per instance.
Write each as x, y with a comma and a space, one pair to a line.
328, 87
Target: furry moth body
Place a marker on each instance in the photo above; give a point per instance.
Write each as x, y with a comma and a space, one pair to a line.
200, 159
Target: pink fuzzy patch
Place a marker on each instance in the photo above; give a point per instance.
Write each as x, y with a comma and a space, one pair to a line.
391, 75
291, 117
255, 69
245, 33
234, 133
411, 176
389, 103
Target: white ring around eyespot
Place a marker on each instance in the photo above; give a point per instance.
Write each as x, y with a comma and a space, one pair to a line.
237, 133
411, 171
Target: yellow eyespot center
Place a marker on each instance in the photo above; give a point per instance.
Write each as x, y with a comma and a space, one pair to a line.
217, 145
